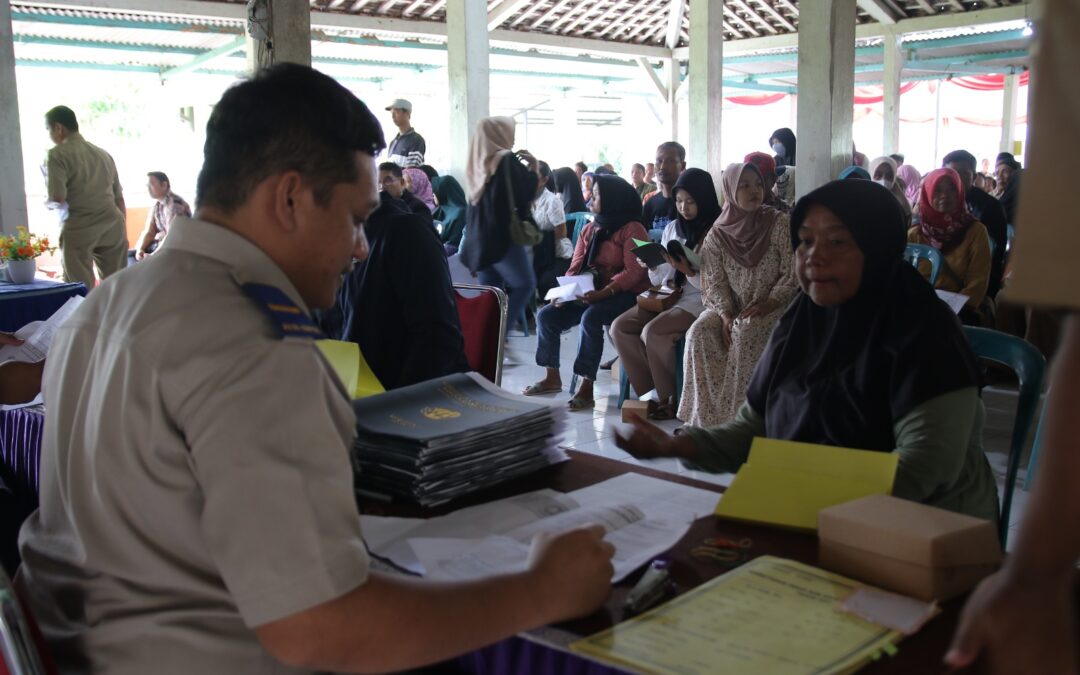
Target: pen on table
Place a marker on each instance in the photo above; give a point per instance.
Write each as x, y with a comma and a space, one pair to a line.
655, 584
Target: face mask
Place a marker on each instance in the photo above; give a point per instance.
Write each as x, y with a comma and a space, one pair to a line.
883, 183
779, 149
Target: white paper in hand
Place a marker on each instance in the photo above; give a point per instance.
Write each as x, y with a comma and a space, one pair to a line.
955, 301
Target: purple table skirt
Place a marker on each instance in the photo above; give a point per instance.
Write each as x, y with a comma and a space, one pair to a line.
20, 453
521, 657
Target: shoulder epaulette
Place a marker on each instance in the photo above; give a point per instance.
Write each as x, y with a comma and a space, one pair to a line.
288, 319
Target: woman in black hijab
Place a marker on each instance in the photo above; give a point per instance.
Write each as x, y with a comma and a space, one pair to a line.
782, 143
866, 357
569, 188
646, 339
603, 251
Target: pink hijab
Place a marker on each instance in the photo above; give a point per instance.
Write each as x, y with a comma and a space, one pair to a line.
420, 186
743, 234
912, 180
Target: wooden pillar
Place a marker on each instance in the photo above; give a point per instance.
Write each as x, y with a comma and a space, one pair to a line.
706, 85
467, 57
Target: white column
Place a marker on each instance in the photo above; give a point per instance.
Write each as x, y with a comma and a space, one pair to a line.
467, 58
12, 185
288, 23
671, 75
826, 91
706, 85
1008, 113
894, 64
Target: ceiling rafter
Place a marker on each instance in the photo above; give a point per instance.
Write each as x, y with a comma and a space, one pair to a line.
430, 11
755, 16
554, 9
582, 5
614, 7
776, 15
627, 19
742, 22
595, 6
415, 5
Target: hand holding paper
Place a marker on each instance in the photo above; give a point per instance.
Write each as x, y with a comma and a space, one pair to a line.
571, 288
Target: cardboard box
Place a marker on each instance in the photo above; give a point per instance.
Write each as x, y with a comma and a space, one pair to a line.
633, 407
910, 548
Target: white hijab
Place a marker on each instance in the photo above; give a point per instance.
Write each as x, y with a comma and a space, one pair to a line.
493, 139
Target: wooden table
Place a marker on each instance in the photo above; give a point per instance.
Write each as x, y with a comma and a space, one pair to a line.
920, 653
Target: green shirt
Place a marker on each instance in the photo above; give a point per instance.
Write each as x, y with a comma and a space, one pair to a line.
84, 176
939, 442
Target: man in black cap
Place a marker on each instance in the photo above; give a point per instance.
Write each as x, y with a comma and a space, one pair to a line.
408, 147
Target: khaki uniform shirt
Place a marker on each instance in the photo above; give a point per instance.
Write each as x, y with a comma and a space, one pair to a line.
84, 176
1044, 256
195, 477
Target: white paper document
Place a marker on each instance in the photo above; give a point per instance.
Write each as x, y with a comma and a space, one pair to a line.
955, 301
643, 517
571, 288
38, 335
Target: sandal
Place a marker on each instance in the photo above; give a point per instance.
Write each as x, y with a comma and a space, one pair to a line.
540, 388
663, 411
577, 404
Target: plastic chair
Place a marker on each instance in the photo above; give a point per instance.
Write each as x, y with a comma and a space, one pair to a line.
1030, 368
579, 219
1010, 234
21, 647
1036, 446
916, 252
482, 312
656, 235
624, 379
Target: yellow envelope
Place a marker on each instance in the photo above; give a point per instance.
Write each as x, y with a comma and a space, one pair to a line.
351, 367
786, 483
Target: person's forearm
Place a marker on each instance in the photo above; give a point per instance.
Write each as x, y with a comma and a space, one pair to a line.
391, 623
1048, 544
145, 239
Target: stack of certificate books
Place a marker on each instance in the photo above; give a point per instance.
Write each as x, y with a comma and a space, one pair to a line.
432, 442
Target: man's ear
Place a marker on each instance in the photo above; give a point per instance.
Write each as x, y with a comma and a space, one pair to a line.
287, 197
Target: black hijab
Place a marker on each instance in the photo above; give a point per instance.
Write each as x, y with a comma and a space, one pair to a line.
701, 187
569, 188
787, 137
844, 375
619, 205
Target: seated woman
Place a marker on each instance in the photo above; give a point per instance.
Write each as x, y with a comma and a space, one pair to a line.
866, 357
946, 224
569, 188
604, 250
416, 182
883, 172
551, 257
646, 340
747, 280
912, 182
451, 211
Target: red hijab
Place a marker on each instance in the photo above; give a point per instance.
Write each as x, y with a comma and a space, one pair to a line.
943, 230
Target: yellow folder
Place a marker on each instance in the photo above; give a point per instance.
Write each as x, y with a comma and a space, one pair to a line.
351, 367
786, 483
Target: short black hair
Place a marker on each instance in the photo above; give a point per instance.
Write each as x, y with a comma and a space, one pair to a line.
429, 171
62, 114
392, 168
160, 176
1007, 159
639, 167
961, 157
672, 145
287, 117
582, 165
603, 171
897, 157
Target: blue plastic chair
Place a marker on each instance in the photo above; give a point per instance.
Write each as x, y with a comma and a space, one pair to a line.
916, 252
656, 235
1010, 234
579, 218
624, 379
1036, 446
1030, 368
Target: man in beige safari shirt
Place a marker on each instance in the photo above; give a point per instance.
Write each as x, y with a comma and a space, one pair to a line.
84, 176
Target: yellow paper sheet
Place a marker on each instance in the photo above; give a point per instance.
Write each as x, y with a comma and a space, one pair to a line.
351, 367
770, 617
786, 483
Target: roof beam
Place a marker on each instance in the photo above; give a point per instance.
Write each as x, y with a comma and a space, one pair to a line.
654, 77
430, 11
754, 15
503, 11
202, 60
739, 20
771, 11
674, 22
878, 10
551, 12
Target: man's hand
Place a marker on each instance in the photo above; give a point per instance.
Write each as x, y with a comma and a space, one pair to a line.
760, 308
139, 254
647, 441
572, 571
1018, 626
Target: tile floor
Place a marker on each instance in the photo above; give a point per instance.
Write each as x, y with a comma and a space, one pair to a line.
594, 432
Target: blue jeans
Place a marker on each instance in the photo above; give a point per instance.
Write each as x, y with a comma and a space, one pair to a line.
551, 321
515, 271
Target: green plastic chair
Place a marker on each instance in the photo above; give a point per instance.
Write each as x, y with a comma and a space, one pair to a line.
624, 379
579, 219
916, 252
1030, 368
1036, 446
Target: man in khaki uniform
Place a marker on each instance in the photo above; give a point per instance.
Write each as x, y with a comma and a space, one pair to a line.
84, 176
1023, 619
197, 509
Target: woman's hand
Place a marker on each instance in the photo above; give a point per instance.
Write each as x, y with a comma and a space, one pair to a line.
725, 331
760, 308
648, 441
593, 297
682, 265
530, 161
9, 339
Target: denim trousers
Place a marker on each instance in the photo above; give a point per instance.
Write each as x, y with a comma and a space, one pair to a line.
514, 271
552, 321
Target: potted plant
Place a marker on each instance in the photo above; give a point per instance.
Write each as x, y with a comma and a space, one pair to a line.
19, 252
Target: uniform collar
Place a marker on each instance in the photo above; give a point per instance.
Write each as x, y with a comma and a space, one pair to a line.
247, 262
